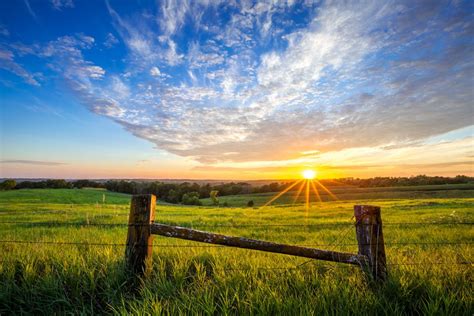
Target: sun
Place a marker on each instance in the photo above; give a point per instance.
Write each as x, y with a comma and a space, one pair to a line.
309, 174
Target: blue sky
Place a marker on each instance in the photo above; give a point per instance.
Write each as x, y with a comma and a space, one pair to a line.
224, 89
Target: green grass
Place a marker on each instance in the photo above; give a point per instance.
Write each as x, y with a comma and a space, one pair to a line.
72, 279
38, 197
347, 193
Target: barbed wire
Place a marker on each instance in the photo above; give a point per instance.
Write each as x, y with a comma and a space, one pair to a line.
191, 225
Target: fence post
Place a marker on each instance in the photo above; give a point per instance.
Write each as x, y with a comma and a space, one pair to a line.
370, 240
139, 239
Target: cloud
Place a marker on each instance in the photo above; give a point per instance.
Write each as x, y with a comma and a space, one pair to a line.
110, 40
333, 87
8, 63
455, 155
32, 162
94, 72
173, 14
154, 71
88, 80
331, 78
4, 31
30, 10
60, 4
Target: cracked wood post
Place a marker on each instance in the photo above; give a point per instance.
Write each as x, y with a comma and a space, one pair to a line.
139, 239
370, 239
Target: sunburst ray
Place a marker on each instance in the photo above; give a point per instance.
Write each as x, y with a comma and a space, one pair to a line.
282, 192
316, 192
298, 193
307, 195
327, 190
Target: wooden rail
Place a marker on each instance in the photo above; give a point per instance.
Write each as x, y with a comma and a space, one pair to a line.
241, 242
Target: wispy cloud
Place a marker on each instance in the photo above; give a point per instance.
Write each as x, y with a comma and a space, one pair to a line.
7, 62
110, 40
30, 10
4, 31
32, 162
60, 4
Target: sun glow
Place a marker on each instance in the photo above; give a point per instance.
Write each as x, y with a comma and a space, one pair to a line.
308, 182
309, 174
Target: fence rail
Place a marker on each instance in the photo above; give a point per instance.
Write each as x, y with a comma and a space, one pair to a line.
437, 243
241, 242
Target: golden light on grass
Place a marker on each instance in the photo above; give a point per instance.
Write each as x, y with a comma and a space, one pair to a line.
308, 182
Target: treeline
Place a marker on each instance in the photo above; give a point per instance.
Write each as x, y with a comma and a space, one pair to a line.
191, 193
186, 192
51, 184
405, 181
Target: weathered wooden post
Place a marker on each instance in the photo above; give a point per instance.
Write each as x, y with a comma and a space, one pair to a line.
139, 239
370, 239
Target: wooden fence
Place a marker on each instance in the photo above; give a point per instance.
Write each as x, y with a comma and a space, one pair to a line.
368, 228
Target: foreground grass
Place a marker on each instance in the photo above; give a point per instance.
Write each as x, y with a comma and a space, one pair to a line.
47, 278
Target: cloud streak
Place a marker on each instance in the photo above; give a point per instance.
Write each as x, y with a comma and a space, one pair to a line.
33, 162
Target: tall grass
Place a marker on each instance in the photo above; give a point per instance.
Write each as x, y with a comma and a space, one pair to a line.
60, 279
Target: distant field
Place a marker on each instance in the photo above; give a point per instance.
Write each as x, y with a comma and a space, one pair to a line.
428, 244
62, 196
347, 193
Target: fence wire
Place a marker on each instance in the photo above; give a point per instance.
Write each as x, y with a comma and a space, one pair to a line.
330, 246
191, 225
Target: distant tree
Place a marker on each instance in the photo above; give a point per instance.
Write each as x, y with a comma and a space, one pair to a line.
213, 196
250, 203
204, 191
87, 184
173, 196
274, 187
58, 184
9, 184
191, 198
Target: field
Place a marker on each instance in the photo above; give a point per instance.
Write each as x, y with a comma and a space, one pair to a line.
347, 193
57, 258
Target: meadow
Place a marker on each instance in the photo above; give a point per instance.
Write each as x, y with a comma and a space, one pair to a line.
351, 193
63, 253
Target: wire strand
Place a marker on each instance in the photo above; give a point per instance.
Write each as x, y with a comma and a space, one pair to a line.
191, 225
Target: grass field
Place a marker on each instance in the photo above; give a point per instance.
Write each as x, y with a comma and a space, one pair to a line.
427, 248
347, 193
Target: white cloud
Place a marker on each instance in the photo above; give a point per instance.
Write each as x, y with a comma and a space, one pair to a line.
120, 89
171, 55
30, 10
173, 14
155, 71
94, 72
110, 40
8, 63
60, 4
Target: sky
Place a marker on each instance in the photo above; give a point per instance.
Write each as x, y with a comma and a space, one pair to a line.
235, 89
